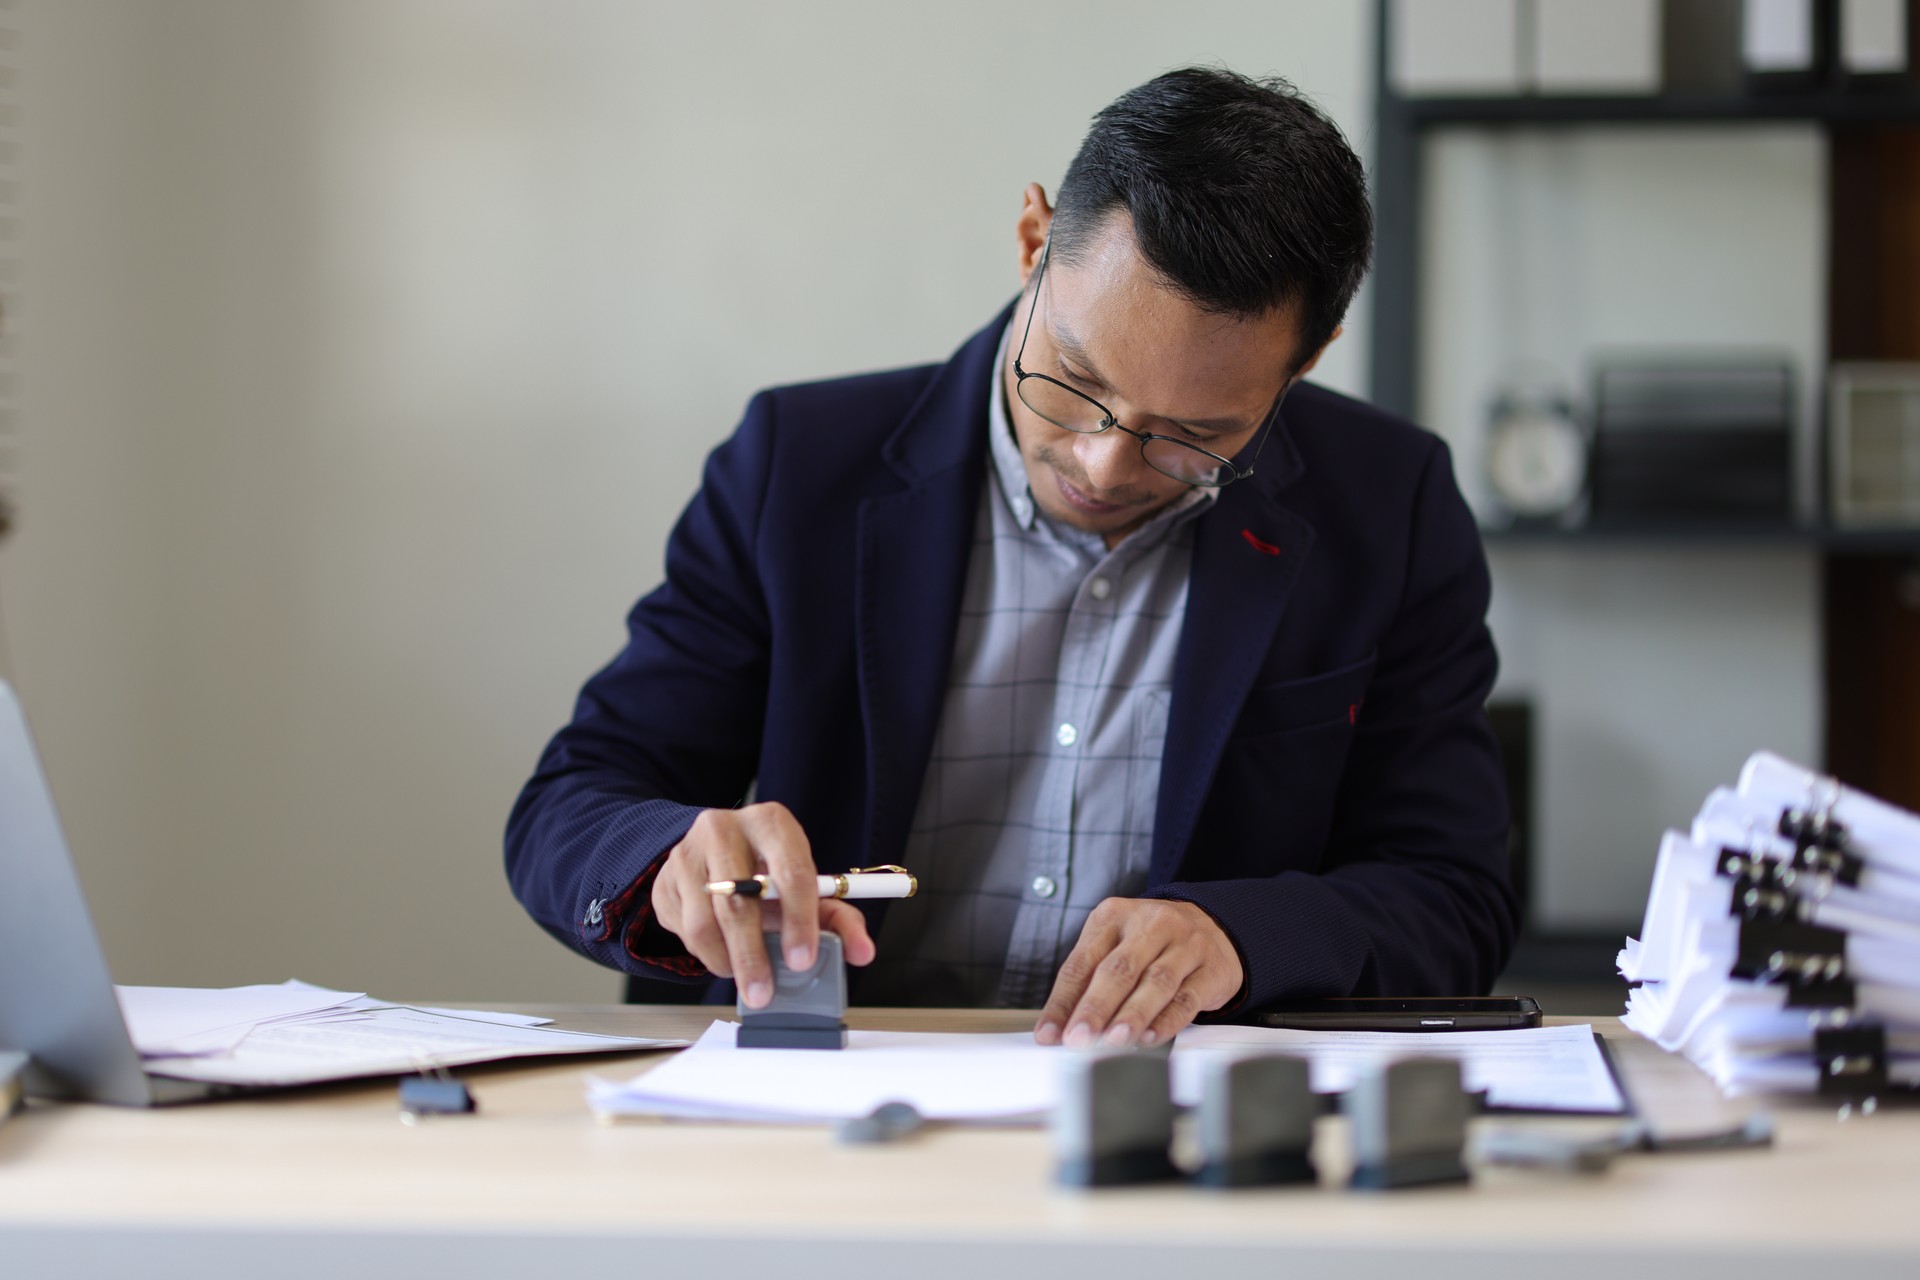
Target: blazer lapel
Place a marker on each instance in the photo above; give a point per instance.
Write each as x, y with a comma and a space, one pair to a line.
914, 546
1247, 554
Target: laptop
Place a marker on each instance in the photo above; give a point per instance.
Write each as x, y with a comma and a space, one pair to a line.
56, 999
58, 1005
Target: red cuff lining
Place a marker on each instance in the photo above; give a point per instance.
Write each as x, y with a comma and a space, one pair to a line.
639, 919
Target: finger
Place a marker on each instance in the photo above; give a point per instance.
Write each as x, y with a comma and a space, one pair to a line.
850, 923
729, 856
1181, 1009
1162, 980
694, 919
1097, 938
1114, 979
779, 842
690, 866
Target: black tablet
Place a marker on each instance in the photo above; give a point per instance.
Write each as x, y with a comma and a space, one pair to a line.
1451, 1013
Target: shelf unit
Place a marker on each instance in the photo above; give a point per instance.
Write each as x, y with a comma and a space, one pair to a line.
1400, 123
1870, 578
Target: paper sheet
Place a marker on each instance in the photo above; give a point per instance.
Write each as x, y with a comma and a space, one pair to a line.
296, 1033
385, 1041
982, 1078
1008, 1078
1534, 1068
186, 1020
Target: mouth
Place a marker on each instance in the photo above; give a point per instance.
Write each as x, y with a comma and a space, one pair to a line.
1082, 503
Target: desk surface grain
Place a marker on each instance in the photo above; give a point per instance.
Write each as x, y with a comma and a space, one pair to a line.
334, 1162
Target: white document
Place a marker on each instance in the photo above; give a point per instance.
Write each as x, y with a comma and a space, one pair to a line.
385, 1041
1009, 1079
187, 1020
296, 1033
1532, 1068
944, 1076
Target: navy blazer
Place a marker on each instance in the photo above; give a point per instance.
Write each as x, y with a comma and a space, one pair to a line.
1330, 791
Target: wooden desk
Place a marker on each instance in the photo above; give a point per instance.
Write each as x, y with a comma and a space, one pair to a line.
326, 1182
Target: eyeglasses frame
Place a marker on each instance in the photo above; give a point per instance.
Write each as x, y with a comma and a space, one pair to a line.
1107, 418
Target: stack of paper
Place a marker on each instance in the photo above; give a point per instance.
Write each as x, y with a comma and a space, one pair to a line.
1789, 910
295, 1033
942, 1075
1523, 1069
1008, 1079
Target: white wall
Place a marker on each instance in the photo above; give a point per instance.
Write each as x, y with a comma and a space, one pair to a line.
1655, 668
370, 347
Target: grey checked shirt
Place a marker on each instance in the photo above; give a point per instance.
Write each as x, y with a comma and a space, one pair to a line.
1039, 797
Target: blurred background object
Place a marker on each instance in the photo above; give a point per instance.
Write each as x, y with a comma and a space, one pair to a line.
1761, 195
367, 349
371, 349
1873, 441
1693, 441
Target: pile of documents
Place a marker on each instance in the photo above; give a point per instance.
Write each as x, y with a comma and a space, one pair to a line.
1781, 947
1008, 1079
294, 1033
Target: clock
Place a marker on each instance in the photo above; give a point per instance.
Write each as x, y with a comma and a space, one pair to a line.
1537, 459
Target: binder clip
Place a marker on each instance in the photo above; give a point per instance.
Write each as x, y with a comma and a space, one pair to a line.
1809, 959
809, 1007
1409, 1123
433, 1092
1114, 1124
1852, 1062
888, 1122
1256, 1122
1819, 839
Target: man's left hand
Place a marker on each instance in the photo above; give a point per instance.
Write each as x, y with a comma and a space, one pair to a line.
1142, 969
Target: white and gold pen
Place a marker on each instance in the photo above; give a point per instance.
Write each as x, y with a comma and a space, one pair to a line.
862, 882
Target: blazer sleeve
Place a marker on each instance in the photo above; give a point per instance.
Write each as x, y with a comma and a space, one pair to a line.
671, 727
1414, 896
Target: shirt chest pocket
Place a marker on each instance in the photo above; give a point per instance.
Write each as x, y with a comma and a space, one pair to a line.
1291, 706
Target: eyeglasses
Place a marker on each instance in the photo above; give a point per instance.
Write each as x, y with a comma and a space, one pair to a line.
1072, 410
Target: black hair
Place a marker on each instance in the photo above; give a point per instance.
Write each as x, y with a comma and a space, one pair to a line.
1244, 196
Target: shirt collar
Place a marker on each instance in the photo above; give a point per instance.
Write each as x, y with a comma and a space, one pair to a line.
1011, 470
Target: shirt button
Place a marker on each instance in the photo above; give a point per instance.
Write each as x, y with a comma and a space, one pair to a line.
1066, 735
1101, 588
1044, 887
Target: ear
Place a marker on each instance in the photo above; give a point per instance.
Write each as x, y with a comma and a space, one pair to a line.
1036, 216
1306, 366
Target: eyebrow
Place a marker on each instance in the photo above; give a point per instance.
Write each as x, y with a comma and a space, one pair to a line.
1069, 345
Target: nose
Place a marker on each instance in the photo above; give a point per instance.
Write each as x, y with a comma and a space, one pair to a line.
1109, 460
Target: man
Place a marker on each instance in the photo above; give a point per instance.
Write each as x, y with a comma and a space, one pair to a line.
1163, 670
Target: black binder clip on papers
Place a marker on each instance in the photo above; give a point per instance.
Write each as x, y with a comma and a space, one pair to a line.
433, 1093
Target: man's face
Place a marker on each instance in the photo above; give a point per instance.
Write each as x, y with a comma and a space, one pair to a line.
1109, 327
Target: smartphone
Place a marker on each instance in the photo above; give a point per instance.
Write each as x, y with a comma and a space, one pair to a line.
1369, 1013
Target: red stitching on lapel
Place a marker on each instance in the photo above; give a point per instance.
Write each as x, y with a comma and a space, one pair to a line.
1264, 548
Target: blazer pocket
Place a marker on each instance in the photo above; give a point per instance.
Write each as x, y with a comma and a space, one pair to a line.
1333, 697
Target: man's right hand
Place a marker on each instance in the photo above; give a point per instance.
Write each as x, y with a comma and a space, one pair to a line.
724, 933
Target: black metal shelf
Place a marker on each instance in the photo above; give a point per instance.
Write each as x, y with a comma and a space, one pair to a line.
1397, 165
1819, 108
